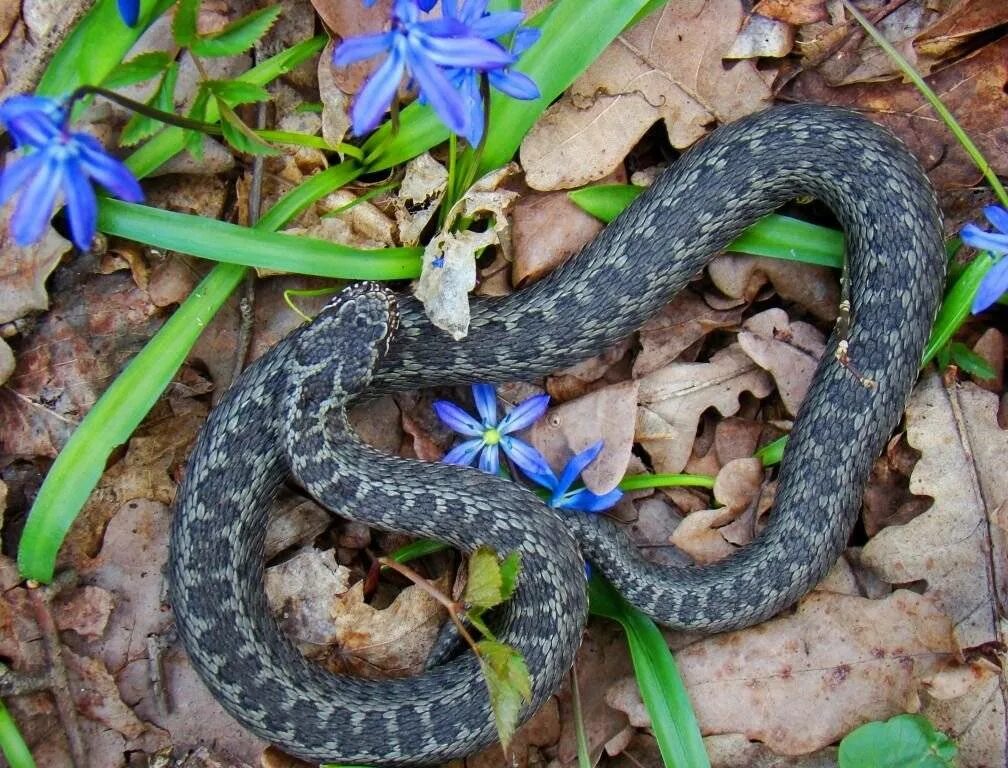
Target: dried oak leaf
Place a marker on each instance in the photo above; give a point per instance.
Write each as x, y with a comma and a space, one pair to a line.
958, 24
668, 67
959, 545
672, 399
606, 414
972, 88
23, 270
814, 288
681, 323
800, 682
793, 11
392, 641
547, 228
789, 351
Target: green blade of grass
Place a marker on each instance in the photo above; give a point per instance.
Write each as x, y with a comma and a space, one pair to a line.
955, 307
665, 698
780, 237
12, 742
95, 47
254, 247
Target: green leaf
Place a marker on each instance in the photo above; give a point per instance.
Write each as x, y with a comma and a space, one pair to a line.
236, 92
780, 237
970, 362
139, 127
509, 569
184, 23
238, 36
12, 742
904, 741
95, 47
664, 694
509, 683
955, 307
484, 587
239, 135
772, 453
139, 69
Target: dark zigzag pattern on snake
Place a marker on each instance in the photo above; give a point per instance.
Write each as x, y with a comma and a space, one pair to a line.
704, 201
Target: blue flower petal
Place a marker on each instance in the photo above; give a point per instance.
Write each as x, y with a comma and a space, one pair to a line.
490, 459
35, 207
528, 460
584, 500
444, 99
514, 84
993, 286
17, 174
457, 419
107, 170
32, 120
997, 216
574, 468
524, 39
129, 10
81, 206
525, 414
443, 27
486, 403
462, 52
359, 48
496, 24
425, 5
975, 237
463, 454
376, 95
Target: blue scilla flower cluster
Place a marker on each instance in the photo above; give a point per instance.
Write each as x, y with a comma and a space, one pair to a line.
54, 161
445, 58
488, 435
995, 282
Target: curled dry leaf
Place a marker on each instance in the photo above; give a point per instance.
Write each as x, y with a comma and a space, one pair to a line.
448, 272
672, 399
789, 351
712, 534
793, 11
667, 67
991, 347
800, 682
590, 374
605, 414
814, 288
335, 104
301, 592
420, 194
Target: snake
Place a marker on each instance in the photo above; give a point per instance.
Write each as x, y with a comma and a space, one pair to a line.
286, 416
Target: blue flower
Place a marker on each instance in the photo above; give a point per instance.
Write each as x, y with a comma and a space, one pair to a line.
491, 434
424, 50
474, 14
561, 497
995, 282
57, 160
129, 10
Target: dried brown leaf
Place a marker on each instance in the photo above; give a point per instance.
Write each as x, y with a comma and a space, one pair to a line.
814, 288
24, 270
668, 67
800, 682
789, 351
672, 399
547, 228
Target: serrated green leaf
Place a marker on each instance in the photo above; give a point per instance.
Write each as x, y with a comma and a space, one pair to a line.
238, 36
184, 23
139, 126
508, 681
904, 741
509, 570
239, 135
236, 92
483, 589
139, 69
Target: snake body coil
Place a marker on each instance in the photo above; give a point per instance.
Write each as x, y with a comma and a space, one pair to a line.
696, 208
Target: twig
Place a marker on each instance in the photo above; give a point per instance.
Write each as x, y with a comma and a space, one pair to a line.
41, 599
450, 605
